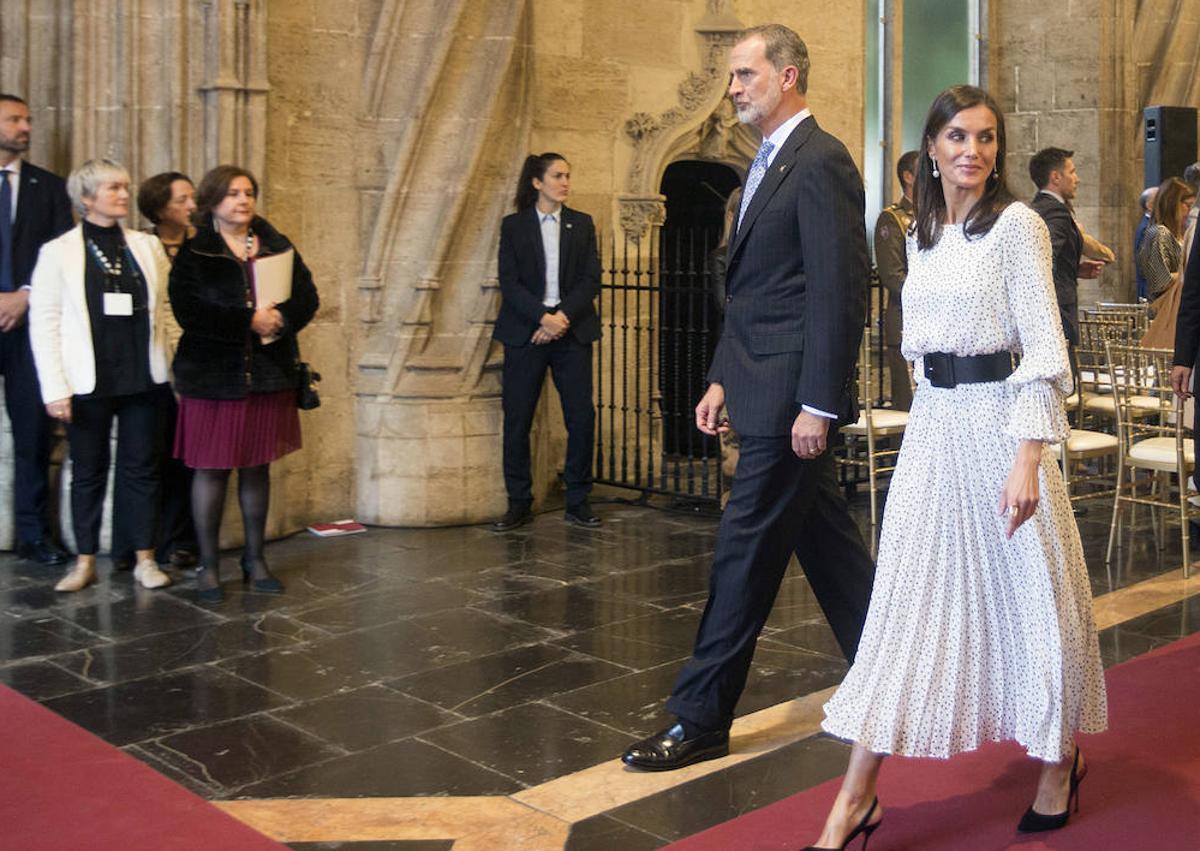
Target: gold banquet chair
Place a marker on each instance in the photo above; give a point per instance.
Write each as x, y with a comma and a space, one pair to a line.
1093, 394
873, 425
1159, 444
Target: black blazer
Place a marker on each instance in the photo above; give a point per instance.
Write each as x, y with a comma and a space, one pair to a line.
522, 271
219, 357
1067, 244
43, 212
1187, 323
796, 290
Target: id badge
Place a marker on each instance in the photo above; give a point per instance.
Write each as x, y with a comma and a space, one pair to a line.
118, 304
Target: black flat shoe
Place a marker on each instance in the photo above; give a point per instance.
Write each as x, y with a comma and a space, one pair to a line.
581, 514
517, 515
865, 829
670, 750
267, 585
206, 593
1035, 822
43, 552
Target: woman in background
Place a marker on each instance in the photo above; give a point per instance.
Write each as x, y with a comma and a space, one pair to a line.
98, 321
237, 406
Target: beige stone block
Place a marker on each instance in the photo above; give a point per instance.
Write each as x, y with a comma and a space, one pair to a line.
297, 13
445, 498
444, 455
597, 90
638, 33
1076, 130
1076, 84
1034, 87
558, 26
1021, 130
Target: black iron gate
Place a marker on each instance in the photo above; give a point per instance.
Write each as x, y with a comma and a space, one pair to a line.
660, 324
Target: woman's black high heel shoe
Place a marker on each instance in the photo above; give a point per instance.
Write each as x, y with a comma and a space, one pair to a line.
1035, 822
215, 594
865, 829
267, 585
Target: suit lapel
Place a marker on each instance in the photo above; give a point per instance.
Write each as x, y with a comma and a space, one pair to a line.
25, 200
783, 163
533, 224
565, 242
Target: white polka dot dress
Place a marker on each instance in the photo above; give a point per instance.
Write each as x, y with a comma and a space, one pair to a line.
972, 637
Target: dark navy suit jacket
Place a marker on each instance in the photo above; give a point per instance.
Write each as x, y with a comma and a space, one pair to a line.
522, 272
1066, 243
796, 290
43, 212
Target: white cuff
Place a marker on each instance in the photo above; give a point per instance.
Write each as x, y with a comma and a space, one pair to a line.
810, 410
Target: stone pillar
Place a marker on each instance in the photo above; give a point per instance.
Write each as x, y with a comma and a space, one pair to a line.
445, 115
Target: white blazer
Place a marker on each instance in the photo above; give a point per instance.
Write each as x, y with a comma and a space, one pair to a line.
60, 326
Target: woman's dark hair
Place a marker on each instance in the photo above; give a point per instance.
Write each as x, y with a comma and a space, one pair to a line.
929, 201
155, 193
213, 188
1166, 205
535, 166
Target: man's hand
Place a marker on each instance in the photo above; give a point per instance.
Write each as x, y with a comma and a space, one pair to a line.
809, 433
1181, 378
540, 338
13, 307
555, 324
708, 411
1090, 268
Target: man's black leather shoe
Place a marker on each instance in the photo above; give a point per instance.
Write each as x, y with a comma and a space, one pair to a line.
581, 514
518, 514
43, 552
670, 750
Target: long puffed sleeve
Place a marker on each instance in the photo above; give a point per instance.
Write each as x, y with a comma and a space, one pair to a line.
1044, 376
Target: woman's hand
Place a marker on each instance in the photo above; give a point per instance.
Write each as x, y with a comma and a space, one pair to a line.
267, 321
1019, 499
60, 409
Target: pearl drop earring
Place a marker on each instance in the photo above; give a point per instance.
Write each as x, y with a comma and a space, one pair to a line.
936, 173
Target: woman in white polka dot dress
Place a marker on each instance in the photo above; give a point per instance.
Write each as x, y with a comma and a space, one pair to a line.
980, 626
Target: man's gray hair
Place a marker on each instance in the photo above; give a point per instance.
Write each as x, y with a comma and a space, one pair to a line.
1147, 194
85, 180
1191, 175
783, 48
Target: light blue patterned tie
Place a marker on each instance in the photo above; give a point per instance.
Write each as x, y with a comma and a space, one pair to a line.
758, 170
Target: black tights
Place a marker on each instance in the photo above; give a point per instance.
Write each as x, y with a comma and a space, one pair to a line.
208, 504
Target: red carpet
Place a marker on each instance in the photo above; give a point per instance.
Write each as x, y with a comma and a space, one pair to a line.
63, 788
1142, 790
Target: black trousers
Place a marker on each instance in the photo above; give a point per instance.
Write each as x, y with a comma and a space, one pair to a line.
135, 486
32, 430
901, 381
175, 531
778, 505
570, 365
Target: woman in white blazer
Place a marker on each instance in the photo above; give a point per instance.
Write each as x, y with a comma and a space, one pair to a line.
99, 326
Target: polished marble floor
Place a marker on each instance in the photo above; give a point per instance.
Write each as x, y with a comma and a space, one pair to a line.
453, 662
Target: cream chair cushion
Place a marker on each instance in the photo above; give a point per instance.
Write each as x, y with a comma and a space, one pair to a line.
1158, 453
883, 421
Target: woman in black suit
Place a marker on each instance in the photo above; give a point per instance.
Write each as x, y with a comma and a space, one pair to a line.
549, 274
237, 393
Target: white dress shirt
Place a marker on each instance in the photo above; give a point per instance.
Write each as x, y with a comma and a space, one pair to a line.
550, 223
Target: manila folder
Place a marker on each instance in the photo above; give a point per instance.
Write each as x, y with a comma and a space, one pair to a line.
273, 281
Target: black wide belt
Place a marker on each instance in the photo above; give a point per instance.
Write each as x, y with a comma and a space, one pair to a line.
946, 370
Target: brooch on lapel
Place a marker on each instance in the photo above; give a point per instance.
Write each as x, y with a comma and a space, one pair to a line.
568, 225
783, 168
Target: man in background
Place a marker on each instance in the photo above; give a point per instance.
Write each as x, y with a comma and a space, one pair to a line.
34, 208
891, 262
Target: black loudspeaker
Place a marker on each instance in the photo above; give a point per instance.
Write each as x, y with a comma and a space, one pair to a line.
1170, 141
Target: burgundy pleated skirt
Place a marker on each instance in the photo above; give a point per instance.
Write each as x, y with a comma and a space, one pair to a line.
224, 434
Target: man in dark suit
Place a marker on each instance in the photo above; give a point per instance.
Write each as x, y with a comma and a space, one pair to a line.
547, 321
1053, 173
34, 209
784, 367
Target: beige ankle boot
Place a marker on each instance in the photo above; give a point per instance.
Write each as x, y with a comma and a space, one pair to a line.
150, 575
80, 576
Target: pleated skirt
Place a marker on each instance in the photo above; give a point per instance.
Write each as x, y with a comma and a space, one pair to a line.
225, 434
972, 637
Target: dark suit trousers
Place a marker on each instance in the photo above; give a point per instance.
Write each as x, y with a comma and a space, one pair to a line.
901, 381
32, 429
779, 505
570, 365
135, 486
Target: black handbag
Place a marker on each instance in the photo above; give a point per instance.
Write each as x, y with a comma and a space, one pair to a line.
307, 396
